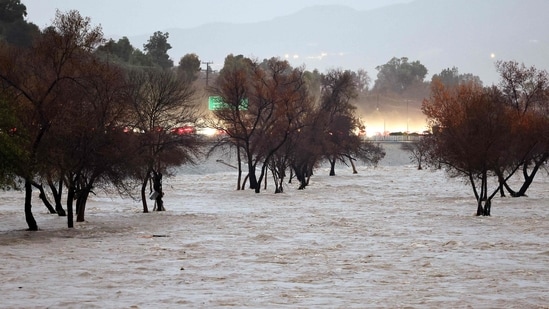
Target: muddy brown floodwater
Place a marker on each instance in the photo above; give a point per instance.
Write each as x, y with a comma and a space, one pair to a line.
387, 237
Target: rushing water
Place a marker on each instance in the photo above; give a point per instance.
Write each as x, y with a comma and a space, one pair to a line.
390, 236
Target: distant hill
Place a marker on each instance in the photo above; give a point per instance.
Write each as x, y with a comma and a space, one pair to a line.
468, 34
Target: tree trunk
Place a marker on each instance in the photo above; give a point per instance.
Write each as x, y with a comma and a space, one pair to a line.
484, 202
291, 175
157, 186
87, 188
300, 173
57, 194
352, 161
44, 197
484, 207
81, 202
525, 185
280, 187
244, 182
502, 183
487, 207
480, 209
332, 167
278, 179
144, 194
260, 179
238, 187
352, 165
47, 203
251, 176
28, 207
70, 199
529, 178
265, 184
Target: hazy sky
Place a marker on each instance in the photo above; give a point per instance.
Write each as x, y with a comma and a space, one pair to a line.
135, 17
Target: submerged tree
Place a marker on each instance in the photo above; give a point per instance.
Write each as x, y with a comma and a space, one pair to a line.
307, 151
93, 150
37, 77
418, 151
232, 89
525, 91
282, 96
262, 106
338, 124
161, 103
472, 136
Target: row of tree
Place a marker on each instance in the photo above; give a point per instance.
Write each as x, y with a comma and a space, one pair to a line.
271, 117
72, 120
80, 113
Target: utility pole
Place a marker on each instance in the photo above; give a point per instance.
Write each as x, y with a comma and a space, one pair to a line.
208, 69
407, 119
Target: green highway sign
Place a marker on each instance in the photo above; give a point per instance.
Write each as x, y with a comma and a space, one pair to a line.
216, 103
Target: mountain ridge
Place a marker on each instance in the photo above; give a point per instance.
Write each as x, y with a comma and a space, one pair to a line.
470, 35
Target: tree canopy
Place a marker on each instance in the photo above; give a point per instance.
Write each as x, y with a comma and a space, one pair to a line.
452, 77
486, 134
399, 74
12, 11
157, 49
67, 115
82, 112
14, 29
189, 66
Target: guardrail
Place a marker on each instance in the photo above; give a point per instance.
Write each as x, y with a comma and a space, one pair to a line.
395, 138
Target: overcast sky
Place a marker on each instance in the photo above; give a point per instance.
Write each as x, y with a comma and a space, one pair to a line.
135, 17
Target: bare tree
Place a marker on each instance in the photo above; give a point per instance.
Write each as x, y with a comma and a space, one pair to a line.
283, 92
337, 123
276, 98
161, 103
307, 150
526, 92
93, 149
37, 76
233, 90
418, 151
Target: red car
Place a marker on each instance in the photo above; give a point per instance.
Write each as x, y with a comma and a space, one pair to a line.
184, 130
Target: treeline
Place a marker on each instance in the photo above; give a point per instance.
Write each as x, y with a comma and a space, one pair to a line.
80, 113
275, 122
72, 120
